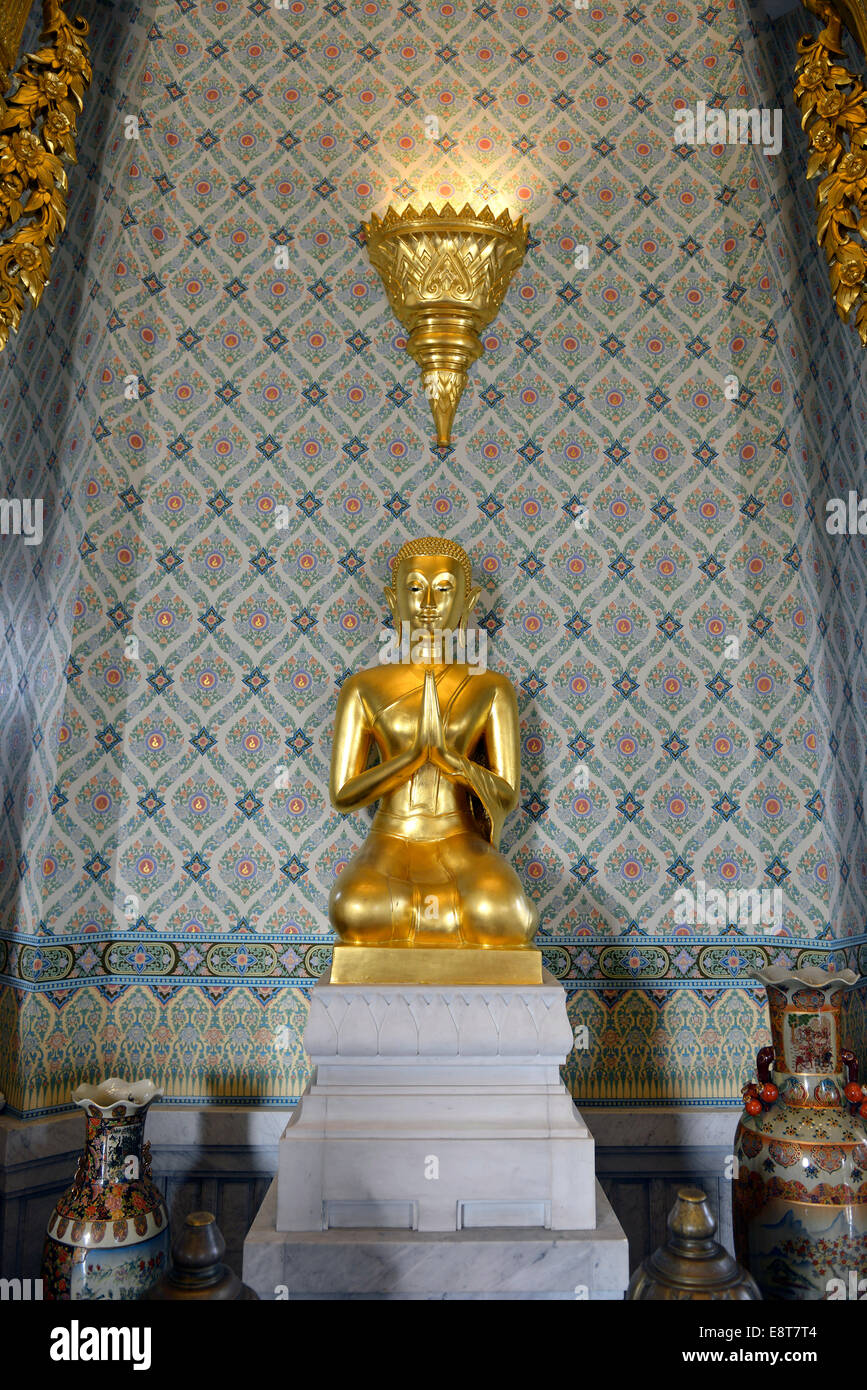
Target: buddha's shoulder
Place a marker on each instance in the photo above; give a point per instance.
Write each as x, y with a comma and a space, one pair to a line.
496, 683
373, 681
489, 685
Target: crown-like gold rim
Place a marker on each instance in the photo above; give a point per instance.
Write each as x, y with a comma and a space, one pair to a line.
396, 218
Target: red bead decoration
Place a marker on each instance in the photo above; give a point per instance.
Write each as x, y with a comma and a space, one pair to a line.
854, 1092
862, 1110
754, 1107
769, 1093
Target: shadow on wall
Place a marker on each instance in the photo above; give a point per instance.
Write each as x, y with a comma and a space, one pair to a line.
37, 583
43, 379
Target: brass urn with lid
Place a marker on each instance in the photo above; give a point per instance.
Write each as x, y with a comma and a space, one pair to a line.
691, 1264
197, 1271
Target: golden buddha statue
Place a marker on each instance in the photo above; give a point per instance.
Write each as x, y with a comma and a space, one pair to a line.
428, 898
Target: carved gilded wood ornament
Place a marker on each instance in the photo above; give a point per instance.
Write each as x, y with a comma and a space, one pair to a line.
37, 135
833, 102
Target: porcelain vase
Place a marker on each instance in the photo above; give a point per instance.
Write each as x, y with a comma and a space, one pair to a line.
108, 1236
800, 1189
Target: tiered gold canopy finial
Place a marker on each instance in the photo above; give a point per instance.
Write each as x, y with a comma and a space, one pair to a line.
446, 274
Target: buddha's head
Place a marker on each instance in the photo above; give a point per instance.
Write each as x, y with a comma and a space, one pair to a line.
432, 586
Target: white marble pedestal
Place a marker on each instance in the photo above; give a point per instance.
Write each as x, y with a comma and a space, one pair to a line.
503, 1264
434, 1144
436, 1108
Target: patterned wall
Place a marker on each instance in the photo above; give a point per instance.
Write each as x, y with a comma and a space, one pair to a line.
168, 844
828, 391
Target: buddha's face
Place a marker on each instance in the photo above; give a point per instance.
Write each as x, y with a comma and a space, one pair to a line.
430, 593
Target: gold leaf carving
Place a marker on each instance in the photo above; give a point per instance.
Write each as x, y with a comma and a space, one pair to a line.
37, 136
446, 275
833, 103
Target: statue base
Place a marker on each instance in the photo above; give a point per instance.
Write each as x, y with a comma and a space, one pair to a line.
436, 1108
422, 965
515, 1265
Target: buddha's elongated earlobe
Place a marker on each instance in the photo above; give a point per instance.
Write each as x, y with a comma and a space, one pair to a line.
471, 601
391, 600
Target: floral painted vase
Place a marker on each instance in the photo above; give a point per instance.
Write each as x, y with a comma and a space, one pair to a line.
800, 1192
108, 1236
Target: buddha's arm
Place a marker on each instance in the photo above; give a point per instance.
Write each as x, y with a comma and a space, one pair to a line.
496, 786
353, 784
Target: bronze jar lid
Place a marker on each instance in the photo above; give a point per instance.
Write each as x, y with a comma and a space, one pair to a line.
691, 1264
197, 1270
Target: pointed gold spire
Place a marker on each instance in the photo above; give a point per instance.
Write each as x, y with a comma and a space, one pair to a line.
446, 275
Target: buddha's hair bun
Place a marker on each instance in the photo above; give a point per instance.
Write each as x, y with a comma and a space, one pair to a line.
436, 545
